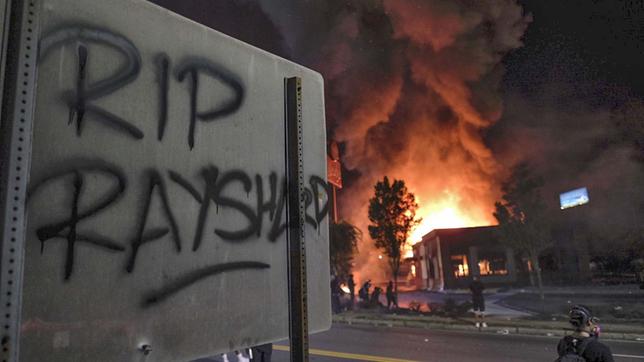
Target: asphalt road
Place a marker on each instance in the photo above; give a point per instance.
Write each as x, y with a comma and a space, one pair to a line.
353, 343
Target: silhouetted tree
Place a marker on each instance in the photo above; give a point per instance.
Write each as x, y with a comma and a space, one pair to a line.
392, 212
629, 119
343, 245
522, 217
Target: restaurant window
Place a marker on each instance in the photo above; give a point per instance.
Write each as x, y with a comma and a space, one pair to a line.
459, 266
493, 263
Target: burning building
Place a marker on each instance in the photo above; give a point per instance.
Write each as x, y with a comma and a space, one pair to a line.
449, 258
411, 87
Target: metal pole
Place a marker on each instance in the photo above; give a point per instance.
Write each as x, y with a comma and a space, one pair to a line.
298, 318
335, 207
18, 66
5, 15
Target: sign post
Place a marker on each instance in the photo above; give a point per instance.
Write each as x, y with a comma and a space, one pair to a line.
17, 63
298, 330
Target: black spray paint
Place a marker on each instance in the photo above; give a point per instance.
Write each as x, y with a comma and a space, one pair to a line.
142, 237
192, 68
163, 74
216, 185
190, 278
79, 100
55, 230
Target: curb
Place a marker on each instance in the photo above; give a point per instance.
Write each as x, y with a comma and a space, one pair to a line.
456, 326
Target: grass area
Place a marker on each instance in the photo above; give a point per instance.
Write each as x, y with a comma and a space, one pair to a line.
618, 308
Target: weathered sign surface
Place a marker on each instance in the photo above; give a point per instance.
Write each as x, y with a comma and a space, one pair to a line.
156, 199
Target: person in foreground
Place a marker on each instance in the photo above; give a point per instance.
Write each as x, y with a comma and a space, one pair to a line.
583, 343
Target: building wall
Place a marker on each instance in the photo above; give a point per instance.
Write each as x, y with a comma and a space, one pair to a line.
473, 259
443, 254
428, 259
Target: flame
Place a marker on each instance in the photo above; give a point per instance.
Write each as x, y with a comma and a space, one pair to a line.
443, 214
345, 288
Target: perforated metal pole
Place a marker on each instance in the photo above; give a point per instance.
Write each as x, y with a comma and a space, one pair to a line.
298, 317
19, 46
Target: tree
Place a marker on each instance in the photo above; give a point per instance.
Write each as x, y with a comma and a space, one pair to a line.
522, 217
629, 121
392, 212
343, 244
630, 125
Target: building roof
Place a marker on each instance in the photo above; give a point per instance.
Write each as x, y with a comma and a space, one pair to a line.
475, 234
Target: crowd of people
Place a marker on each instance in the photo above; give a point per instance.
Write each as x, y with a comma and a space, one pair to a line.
366, 296
582, 345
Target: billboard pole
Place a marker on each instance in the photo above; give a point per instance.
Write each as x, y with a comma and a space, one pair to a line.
298, 318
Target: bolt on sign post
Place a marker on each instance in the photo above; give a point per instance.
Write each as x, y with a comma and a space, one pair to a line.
150, 203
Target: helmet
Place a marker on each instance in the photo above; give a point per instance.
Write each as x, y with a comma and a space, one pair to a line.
580, 315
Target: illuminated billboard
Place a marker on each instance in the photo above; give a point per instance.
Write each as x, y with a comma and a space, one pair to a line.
573, 198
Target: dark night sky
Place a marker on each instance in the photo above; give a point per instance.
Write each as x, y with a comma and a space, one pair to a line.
577, 55
595, 43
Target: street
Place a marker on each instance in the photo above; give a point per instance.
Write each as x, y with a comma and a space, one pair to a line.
353, 343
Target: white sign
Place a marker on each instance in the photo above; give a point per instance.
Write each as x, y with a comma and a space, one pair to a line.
156, 206
574, 198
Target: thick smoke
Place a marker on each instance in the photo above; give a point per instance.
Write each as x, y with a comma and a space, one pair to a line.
573, 141
411, 85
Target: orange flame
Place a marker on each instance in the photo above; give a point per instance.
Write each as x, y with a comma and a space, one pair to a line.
345, 288
443, 214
